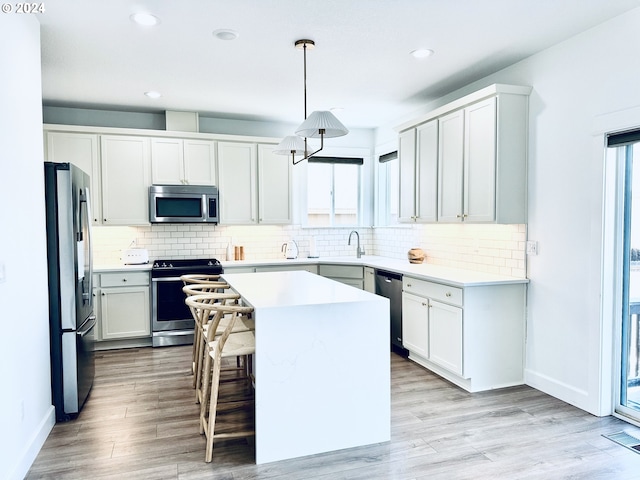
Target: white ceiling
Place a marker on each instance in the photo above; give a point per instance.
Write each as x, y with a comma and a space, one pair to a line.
94, 56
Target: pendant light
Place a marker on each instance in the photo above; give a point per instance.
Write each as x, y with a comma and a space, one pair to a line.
319, 124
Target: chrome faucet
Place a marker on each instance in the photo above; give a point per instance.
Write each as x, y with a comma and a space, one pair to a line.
359, 251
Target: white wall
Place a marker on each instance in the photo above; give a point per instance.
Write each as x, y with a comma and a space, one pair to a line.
574, 83
26, 413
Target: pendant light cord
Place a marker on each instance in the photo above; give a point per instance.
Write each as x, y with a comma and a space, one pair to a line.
304, 56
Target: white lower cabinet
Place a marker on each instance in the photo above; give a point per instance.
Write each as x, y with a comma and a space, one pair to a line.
369, 279
445, 336
123, 306
472, 336
348, 274
415, 324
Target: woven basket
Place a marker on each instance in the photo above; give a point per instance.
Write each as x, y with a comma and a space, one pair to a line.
416, 255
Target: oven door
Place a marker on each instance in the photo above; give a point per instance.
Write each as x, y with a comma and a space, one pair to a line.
169, 311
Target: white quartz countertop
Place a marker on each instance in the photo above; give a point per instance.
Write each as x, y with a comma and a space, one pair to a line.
122, 268
451, 276
293, 288
457, 277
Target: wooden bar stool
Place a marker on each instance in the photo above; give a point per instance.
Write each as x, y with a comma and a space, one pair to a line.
214, 321
240, 404
204, 283
202, 321
201, 278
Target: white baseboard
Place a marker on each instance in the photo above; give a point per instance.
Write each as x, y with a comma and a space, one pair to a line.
565, 392
23, 464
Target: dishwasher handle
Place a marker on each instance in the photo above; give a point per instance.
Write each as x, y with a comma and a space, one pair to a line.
389, 276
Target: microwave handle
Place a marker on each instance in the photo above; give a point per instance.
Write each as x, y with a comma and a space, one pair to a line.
212, 212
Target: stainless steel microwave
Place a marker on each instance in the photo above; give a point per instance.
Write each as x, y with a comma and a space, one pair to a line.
183, 204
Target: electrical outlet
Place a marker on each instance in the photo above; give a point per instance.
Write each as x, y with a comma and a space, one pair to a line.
532, 247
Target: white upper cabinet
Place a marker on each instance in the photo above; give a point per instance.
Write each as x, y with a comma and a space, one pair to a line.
481, 159
480, 162
418, 154
126, 176
80, 149
274, 186
468, 164
427, 172
237, 166
255, 184
451, 166
176, 161
407, 174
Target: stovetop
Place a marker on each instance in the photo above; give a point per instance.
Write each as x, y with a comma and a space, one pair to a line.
162, 268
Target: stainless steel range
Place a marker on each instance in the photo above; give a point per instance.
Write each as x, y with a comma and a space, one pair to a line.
171, 320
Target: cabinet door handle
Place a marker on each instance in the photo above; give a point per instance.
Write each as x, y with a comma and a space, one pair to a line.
448, 294
425, 304
103, 294
124, 279
408, 285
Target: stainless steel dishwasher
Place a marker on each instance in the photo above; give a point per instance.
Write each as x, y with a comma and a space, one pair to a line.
389, 285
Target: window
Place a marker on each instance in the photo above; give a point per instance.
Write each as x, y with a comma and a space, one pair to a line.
388, 189
333, 191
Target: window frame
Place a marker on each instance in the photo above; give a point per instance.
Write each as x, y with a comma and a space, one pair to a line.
333, 161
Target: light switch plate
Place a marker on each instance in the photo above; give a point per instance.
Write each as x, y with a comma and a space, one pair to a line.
3, 277
532, 247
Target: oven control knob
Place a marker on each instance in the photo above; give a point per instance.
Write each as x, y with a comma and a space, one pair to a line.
210, 263
170, 265
164, 264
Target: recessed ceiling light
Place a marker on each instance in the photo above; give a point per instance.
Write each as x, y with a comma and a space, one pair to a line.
225, 34
422, 53
153, 94
145, 19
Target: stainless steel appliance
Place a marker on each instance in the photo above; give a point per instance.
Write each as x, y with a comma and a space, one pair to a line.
171, 320
389, 285
71, 318
183, 204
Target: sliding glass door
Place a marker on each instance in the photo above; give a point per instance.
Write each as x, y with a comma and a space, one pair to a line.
626, 151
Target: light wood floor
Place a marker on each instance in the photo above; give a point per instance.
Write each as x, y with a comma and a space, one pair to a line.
141, 422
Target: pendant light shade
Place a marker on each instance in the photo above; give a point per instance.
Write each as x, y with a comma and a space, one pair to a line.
290, 145
321, 123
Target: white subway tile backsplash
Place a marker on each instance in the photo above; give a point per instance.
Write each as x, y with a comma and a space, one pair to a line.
488, 248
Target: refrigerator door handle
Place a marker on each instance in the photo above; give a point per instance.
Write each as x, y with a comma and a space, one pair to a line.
91, 322
86, 220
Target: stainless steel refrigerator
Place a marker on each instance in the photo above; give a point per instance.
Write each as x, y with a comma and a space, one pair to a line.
71, 318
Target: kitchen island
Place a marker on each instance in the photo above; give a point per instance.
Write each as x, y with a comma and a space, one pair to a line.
322, 364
